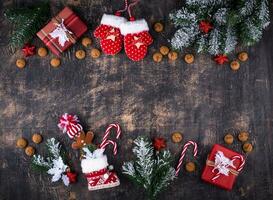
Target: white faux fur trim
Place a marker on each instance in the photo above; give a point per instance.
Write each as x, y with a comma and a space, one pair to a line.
134, 27
95, 164
113, 20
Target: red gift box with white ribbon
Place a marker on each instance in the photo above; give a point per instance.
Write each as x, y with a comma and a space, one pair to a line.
222, 167
62, 31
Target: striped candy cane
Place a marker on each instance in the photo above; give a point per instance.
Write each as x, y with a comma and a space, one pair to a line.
106, 141
183, 155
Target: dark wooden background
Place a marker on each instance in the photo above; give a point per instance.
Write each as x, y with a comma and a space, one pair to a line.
204, 101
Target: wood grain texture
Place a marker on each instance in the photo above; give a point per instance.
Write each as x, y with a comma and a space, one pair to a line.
203, 100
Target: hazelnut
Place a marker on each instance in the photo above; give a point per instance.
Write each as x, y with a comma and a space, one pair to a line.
243, 136
95, 53
243, 56
157, 57
158, 27
37, 138
86, 41
55, 62
42, 52
80, 54
189, 58
164, 50
228, 138
190, 167
21, 63
177, 137
247, 147
235, 65
30, 150
21, 143
172, 55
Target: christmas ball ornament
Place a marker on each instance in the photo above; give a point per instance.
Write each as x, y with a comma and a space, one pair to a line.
159, 143
86, 42
235, 65
108, 32
21, 143
158, 27
205, 26
37, 138
28, 50
243, 136
228, 138
157, 57
55, 62
190, 167
95, 53
177, 137
164, 50
42, 52
80, 54
136, 39
247, 147
29, 151
172, 55
189, 58
243, 56
69, 124
21, 63
221, 59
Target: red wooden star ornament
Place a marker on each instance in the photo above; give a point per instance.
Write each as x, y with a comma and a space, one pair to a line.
159, 143
221, 59
28, 50
205, 26
72, 177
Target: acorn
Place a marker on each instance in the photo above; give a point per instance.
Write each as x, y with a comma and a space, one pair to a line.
95, 53
228, 138
247, 147
86, 41
21, 63
189, 58
30, 151
243, 56
243, 136
177, 137
158, 27
21, 143
42, 52
164, 50
157, 57
37, 138
172, 55
190, 167
80, 54
55, 62
235, 65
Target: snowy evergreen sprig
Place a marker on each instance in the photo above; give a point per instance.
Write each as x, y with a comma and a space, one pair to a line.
152, 171
234, 22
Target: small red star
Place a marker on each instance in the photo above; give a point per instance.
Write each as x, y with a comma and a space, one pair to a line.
205, 26
221, 59
28, 50
159, 143
72, 177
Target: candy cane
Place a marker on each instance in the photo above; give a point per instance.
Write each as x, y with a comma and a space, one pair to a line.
106, 141
242, 160
183, 153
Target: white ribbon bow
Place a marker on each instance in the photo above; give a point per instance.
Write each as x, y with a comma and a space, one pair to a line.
222, 163
98, 153
60, 32
58, 170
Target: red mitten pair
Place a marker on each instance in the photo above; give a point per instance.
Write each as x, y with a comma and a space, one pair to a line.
114, 29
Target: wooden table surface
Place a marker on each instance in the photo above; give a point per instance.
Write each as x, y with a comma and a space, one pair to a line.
203, 100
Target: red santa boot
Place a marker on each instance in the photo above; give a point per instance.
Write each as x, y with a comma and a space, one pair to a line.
95, 167
136, 38
111, 40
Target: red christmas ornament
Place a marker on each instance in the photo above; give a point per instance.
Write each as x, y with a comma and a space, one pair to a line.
205, 26
72, 177
221, 59
28, 50
159, 143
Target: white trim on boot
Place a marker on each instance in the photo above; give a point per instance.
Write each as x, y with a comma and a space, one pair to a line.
134, 27
113, 20
95, 164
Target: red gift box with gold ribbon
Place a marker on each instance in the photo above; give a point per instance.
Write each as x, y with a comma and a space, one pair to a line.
222, 167
62, 31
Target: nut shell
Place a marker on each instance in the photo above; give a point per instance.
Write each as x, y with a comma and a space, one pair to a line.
86, 41
189, 58
177, 137
95, 53
157, 57
37, 138
247, 147
80, 54
243, 56
29, 150
164, 50
42, 52
21, 143
158, 27
235, 65
228, 138
190, 167
243, 136
21, 63
172, 55
55, 62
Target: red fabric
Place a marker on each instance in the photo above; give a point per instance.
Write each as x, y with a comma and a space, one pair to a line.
205, 26
73, 24
28, 50
225, 182
221, 59
72, 177
136, 45
159, 143
110, 39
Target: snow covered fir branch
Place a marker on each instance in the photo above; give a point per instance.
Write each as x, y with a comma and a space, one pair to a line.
217, 26
152, 170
